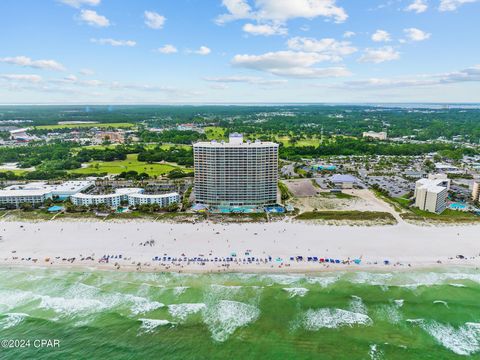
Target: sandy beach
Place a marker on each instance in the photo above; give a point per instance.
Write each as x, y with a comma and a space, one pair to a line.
209, 247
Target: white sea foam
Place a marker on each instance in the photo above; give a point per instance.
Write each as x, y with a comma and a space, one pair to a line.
179, 290
300, 291
389, 313
80, 290
11, 319
333, 318
371, 278
464, 340
182, 311
375, 353
224, 317
441, 302
323, 281
71, 307
141, 305
283, 279
399, 302
149, 325
9, 299
357, 305
413, 280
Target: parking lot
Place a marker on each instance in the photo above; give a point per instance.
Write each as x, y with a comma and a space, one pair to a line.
395, 185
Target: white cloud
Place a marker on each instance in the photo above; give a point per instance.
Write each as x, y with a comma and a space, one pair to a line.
237, 9
31, 78
471, 74
245, 79
418, 6
167, 49
114, 42
275, 13
154, 20
414, 34
381, 36
79, 3
348, 34
37, 64
289, 64
92, 18
379, 55
331, 49
87, 72
452, 5
203, 50
265, 29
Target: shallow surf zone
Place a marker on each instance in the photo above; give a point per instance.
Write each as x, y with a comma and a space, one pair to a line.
354, 315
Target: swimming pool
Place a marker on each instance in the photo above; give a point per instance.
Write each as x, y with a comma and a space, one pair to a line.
235, 209
457, 206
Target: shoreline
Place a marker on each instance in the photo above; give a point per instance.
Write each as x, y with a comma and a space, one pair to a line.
208, 247
342, 269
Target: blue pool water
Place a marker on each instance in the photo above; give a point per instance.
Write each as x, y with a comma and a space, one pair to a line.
457, 206
236, 209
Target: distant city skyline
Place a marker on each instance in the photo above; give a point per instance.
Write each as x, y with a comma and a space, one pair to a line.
239, 51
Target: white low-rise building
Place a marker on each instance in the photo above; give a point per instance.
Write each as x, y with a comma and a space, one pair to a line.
431, 194
163, 200
36, 193
134, 196
17, 197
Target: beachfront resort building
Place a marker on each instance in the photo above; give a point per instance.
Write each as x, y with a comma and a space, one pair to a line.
431, 193
132, 196
375, 135
36, 193
236, 173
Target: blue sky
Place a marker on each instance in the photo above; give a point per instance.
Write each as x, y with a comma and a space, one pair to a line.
231, 51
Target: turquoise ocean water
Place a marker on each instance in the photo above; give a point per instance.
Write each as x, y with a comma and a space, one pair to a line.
358, 315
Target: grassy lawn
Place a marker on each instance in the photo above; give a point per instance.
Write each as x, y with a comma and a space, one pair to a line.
85, 125
130, 164
16, 172
215, 133
347, 215
285, 140
448, 216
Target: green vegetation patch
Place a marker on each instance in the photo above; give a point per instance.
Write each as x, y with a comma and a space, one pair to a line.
284, 192
215, 133
130, 164
85, 125
347, 215
447, 216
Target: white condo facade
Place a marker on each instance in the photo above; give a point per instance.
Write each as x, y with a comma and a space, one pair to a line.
134, 197
236, 173
431, 194
36, 193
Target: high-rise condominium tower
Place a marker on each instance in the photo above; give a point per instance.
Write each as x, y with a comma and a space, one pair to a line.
236, 173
